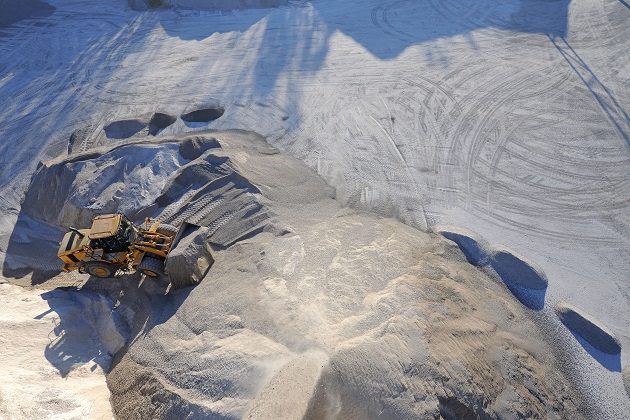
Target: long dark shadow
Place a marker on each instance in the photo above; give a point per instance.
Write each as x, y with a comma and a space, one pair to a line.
606, 100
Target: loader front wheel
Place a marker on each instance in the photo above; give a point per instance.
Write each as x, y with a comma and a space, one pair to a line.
151, 267
99, 269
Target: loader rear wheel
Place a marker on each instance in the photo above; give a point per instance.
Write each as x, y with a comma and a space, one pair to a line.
99, 269
151, 267
167, 229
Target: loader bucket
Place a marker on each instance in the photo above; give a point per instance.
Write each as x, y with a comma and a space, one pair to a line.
190, 256
184, 229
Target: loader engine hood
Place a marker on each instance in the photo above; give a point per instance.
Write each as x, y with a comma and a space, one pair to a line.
112, 232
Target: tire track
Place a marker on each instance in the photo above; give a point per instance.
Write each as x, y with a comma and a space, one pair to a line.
615, 113
518, 87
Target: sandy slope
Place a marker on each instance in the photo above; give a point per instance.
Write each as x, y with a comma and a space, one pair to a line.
505, 118
325, 311
353, 315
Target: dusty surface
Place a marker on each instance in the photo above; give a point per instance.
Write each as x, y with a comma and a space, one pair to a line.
348, 313
351, 314
507, 119
52, 362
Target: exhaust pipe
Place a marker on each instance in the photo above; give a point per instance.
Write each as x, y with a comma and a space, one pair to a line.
75, 230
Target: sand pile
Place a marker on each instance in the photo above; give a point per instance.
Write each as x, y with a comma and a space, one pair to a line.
400, 105
350, 314
190, 178
378, 318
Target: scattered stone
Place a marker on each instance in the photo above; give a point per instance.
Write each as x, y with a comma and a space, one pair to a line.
146, 124
126, 128
193, 147
159, 122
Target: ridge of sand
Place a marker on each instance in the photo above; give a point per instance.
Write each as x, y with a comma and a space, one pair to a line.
374, 316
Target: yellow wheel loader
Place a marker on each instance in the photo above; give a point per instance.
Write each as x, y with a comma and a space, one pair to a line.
114, 243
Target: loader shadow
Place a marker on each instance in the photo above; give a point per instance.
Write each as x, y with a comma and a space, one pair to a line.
94, 324
73, 339
32, 251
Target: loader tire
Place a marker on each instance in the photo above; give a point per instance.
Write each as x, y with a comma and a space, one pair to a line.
167, 229
99, 269
151, 267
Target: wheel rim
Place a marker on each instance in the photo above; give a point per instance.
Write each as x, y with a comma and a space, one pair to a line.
99, 272
150, 273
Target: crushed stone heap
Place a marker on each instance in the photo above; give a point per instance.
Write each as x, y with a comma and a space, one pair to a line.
350, 314
310, 309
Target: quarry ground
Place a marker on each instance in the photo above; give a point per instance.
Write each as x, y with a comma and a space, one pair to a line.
503, 125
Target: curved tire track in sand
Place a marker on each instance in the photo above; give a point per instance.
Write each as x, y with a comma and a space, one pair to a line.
482, 186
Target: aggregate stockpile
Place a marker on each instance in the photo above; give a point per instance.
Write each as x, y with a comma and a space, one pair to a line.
310, 309
315, 310
186, 183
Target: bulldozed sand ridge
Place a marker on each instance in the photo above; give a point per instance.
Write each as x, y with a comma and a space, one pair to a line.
350, 314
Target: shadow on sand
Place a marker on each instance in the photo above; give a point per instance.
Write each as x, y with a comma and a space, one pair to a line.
523, 278
612, 362
74, 339
526, 281
98, 320
592, 335
31, 253
385, 28
12, 11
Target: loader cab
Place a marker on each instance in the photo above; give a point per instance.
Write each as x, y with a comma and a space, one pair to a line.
112, 233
